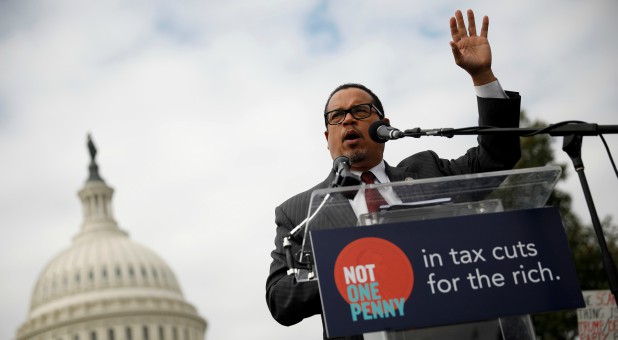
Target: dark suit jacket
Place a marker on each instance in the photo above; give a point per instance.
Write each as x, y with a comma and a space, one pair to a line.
289, 301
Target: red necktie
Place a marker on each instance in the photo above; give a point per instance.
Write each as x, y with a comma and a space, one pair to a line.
373, 198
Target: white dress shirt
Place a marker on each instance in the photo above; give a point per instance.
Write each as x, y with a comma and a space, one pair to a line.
358, 203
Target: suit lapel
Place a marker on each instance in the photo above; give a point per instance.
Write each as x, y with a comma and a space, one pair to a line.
396, 174
336, 213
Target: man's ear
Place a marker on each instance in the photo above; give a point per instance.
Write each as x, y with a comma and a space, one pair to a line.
326, 136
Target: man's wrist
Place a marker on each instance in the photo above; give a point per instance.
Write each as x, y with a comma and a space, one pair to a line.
483, 77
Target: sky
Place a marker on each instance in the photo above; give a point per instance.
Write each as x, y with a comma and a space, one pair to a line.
207, 115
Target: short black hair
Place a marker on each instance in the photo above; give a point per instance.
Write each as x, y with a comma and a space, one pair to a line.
376, 100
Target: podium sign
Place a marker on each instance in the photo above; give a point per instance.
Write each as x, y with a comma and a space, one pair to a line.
445, 271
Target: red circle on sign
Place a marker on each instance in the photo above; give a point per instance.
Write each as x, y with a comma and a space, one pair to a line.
389, 265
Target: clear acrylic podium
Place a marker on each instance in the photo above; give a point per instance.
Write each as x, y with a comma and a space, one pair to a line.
428, 199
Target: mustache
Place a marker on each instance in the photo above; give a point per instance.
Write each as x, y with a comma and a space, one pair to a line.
352, 133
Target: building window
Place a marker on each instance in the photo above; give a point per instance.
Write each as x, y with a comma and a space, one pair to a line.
93, 335
110, 334
144, 273
174, 333
128, 333
118, 272
131, 272
145, 332
161, 333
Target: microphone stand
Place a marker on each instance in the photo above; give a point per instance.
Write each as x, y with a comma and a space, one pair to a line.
572, 143
561, 129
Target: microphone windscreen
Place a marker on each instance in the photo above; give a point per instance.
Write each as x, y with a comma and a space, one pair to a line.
373, 131
339, 161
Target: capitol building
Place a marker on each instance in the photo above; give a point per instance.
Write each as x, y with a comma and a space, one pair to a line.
106, 286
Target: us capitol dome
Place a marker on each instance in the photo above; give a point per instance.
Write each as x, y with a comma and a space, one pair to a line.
107, 287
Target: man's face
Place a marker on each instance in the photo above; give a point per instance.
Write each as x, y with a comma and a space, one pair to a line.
351, 138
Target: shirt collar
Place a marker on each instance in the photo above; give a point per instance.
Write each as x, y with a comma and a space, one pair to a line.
379, 171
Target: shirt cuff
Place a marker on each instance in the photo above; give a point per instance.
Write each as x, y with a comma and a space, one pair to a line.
490, 90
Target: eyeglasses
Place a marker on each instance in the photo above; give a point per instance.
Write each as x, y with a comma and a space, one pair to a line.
362, 111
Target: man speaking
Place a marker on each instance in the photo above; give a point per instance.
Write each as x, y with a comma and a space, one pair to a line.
349, 112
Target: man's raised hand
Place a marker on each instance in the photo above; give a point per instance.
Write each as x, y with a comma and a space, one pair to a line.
471, 51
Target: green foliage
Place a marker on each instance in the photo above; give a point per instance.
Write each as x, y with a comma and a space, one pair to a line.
536, 151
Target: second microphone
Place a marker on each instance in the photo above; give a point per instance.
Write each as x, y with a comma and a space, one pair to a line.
381, 132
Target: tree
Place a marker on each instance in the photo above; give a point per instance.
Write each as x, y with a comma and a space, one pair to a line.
537, 151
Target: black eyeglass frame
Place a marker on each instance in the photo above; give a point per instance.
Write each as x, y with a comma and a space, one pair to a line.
350, 111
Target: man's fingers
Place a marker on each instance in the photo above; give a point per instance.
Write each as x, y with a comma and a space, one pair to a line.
471, 23
456, 53
485, 27
459, 30
461, 25
454, 31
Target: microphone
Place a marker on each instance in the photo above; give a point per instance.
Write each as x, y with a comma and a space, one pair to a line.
341, 163
343, 176
381, 132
